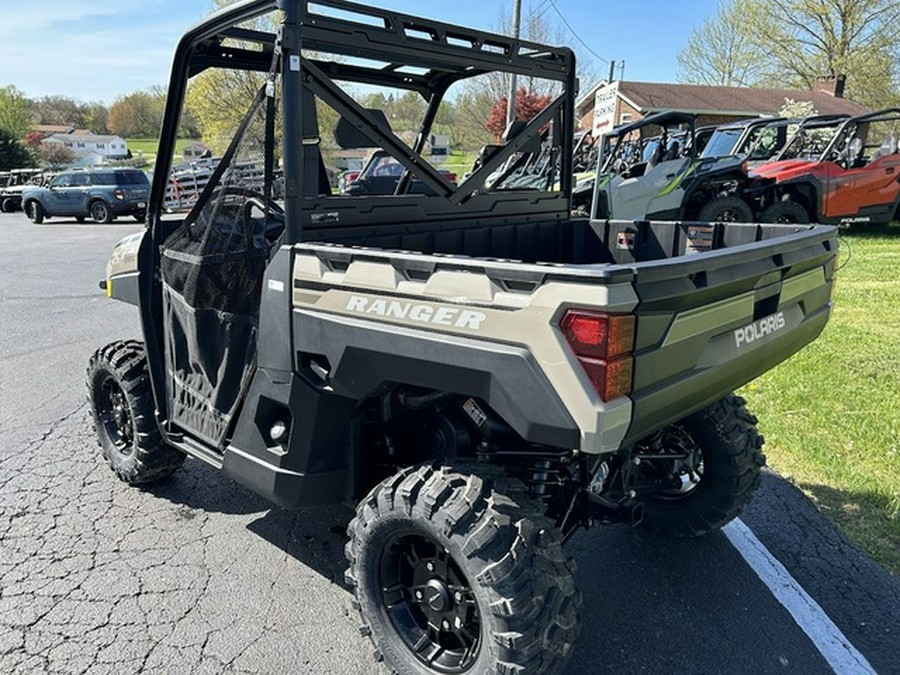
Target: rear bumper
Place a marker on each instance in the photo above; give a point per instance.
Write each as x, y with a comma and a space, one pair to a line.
129, 208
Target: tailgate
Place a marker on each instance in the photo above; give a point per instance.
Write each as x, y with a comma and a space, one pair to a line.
708, 324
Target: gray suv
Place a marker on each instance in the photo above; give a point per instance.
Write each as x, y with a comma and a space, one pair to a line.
102, 194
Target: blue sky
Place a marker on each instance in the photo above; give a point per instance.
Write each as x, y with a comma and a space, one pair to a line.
97, 50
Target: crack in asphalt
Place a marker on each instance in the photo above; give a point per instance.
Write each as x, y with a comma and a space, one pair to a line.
96, 576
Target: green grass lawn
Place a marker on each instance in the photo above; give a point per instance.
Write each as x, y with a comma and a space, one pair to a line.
148, 147
831, 414
459, 163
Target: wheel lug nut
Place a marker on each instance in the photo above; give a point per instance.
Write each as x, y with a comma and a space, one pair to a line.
445, 624
418, 595
457, 596
457, 622
429, 566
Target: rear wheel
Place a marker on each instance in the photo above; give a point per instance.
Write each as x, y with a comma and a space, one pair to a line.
35, 212
785, 212
123, 412
100, 213
729, 209
713, 472
456, 569
8, 205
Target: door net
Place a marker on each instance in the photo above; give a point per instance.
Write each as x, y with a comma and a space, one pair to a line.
212, 272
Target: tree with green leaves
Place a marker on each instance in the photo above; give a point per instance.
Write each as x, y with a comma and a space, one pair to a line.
138, 115
13, 155
15, 112
718, 53
792, 42
65, 110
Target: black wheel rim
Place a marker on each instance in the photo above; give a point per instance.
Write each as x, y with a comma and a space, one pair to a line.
678, 462
727, 216
430, 603
115, 415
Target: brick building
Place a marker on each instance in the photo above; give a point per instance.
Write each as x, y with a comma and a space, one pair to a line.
713, 105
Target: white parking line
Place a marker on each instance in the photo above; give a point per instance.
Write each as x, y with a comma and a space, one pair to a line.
842, 656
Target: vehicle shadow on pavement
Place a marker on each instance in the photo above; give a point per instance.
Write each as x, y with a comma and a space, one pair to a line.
314, 537
650, 604
873, 518
199, 486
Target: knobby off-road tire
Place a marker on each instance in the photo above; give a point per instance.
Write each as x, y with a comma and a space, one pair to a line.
731, 450
785, 212
496, 548
118, 388
726, 210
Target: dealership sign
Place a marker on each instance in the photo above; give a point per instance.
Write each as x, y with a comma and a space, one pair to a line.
605, 109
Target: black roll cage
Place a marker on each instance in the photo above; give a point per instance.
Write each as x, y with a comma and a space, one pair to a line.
401, 43
664, 120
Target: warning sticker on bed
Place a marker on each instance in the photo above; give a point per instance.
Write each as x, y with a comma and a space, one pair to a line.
699, 238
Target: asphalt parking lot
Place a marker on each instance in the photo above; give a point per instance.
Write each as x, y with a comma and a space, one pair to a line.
196, 574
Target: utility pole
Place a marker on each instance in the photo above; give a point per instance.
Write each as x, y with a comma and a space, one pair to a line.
511, 100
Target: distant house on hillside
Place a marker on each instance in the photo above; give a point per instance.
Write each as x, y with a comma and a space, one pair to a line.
632, 101
51, 129
195, 151
106, 147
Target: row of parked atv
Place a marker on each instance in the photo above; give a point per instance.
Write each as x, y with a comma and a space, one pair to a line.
822, 169
12, 183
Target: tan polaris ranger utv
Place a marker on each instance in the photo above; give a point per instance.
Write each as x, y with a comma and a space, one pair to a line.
478, 372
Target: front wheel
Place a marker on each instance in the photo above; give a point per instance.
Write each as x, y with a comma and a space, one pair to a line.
100, 213
455, 569
9, 205
122, 408
716, 457
729, 209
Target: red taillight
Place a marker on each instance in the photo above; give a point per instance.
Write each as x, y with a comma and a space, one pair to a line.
602, 343
119, 194
601, 336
